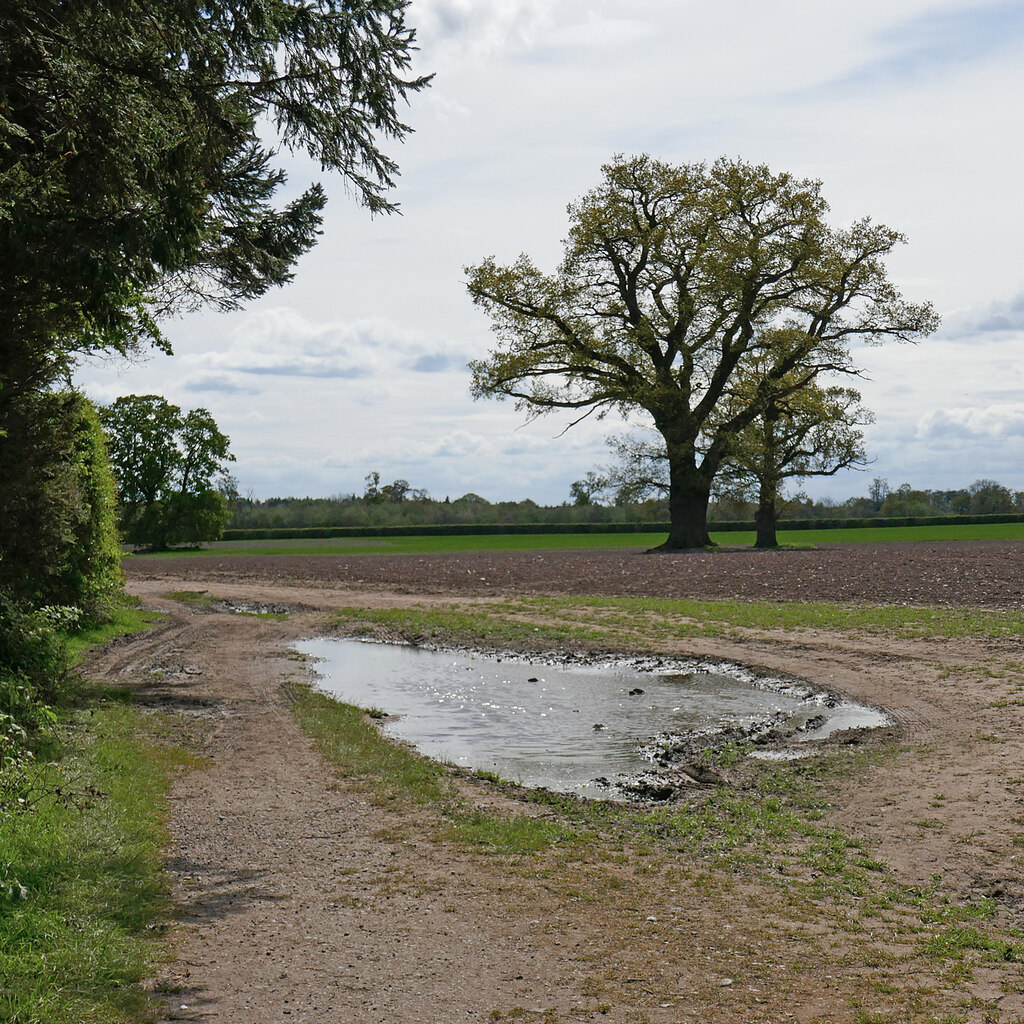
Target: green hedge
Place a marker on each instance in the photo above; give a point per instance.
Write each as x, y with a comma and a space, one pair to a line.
468, 529
441, 530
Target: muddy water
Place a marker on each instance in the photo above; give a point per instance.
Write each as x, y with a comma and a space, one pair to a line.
571, 728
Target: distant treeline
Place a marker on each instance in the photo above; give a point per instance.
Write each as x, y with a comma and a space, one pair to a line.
397, 504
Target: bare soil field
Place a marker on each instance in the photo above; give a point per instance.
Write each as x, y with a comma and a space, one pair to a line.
986, 573
301, 898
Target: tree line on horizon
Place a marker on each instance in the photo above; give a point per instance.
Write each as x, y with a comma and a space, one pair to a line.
399, 504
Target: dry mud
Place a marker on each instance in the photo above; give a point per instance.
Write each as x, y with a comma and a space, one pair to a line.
300, 899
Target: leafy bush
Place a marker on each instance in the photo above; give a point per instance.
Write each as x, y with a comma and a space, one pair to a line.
58, 535
181, 519
34, 673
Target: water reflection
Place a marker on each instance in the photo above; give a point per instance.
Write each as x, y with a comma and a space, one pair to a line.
558, 726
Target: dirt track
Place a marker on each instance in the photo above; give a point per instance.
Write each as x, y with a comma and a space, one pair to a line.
302, 901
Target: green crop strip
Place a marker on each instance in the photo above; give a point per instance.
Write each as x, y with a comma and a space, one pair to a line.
610, 622
428, 545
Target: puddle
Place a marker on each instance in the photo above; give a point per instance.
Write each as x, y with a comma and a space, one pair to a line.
590, 729
253, 607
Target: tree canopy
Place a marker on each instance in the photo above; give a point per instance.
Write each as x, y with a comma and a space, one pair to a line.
813, 431
135, 180
165, 464
133, 175
684, 291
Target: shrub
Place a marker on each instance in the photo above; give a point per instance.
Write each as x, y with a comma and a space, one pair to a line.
34, 672
58, 535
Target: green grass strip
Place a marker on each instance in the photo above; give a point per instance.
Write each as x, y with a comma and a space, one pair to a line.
630, 621
397, 776
885, 534
81, 878
124, 619
710, 618
428, 545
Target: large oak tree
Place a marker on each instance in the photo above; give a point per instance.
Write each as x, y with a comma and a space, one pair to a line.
676, 283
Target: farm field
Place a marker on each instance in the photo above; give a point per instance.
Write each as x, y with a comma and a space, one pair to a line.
984, 573
879, 881
413, 545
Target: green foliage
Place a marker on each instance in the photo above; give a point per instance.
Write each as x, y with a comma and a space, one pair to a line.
133, 178
165, 463
32, 647
81, 884
38, 648
97, 562
58, 536
697, 295
34, 674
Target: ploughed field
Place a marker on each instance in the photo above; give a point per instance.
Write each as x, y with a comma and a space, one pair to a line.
985, 573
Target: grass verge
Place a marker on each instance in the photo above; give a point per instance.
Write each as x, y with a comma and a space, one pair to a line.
82, 892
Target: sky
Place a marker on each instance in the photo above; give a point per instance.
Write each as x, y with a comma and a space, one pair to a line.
906, 110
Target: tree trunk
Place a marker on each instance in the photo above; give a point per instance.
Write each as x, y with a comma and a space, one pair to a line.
766, 516
688, 496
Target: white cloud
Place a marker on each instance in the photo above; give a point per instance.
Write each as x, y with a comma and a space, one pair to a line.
445, 108
600, 33
1003, 316
221, 383
453, 32
281, 342
954, 426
